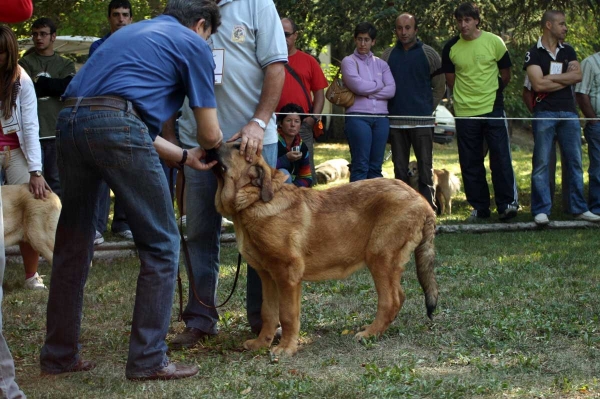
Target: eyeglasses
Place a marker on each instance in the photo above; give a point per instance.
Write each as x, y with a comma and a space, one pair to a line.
363, 39
288, 34
40, 34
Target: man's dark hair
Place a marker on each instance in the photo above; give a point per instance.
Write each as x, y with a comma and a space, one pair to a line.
365, 27
468, 10
294, 26
550, 15
188, 12
114, 4
44, 23
290, 108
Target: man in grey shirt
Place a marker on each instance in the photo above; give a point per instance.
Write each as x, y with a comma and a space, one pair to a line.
250, 52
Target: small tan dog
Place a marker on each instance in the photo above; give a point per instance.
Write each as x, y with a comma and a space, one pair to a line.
332, 170
446, 185
290, 234
30, 220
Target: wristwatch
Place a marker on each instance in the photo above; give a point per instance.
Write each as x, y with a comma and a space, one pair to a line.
260, 123
36, 173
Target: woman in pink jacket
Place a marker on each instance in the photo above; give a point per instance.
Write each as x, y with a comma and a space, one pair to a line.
367, 126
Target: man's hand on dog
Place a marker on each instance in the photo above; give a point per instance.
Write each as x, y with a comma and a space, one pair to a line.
38, 187
195, 157
252, 140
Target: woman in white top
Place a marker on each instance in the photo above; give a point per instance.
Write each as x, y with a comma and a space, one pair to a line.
20, 153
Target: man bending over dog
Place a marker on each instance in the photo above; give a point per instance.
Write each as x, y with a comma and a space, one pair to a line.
108, 130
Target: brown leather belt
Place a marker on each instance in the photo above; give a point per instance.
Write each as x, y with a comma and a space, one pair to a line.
103, 103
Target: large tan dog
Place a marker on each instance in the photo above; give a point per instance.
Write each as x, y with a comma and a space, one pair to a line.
289, 234
445, 182
29, 219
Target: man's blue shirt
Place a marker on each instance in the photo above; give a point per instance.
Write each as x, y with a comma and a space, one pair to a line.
154, 64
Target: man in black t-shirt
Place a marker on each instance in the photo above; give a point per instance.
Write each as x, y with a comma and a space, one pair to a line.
552, 69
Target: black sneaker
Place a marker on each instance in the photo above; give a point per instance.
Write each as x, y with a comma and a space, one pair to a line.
476, 216
509, 213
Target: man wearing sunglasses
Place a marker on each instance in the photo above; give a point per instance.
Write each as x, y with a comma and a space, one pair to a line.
304, 85
51, 74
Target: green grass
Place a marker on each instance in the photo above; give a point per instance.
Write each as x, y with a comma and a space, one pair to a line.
518, 317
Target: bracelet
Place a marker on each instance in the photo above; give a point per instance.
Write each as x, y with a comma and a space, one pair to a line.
315, 118
183, 158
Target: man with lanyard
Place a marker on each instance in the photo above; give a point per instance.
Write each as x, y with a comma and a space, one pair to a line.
304, 85
552, 69
250, 53
420, 86
114, 110
478, 93
119, 16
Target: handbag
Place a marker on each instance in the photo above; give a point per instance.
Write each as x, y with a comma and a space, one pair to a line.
337, 93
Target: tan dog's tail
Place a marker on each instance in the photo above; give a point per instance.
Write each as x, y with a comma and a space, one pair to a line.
424, 257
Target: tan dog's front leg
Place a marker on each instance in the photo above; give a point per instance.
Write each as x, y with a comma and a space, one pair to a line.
269, 314
289, 316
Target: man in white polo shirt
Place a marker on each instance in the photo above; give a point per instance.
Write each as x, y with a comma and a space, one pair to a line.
250, 52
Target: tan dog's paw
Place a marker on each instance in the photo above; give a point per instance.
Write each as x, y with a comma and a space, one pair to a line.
285, 350
256, 344
366, 334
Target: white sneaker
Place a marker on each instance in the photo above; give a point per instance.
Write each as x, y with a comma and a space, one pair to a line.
588, 217
35, 283
126, 234
541, 219
226, 222
98, 239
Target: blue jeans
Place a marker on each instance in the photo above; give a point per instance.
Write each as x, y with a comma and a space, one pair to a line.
51, 174
367, 137
113, 146
8, 386
203, 242
119, 223
592, 136
287, 173
568, 133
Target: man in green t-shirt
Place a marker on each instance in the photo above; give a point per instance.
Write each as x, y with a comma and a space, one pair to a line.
477, 68
51, 74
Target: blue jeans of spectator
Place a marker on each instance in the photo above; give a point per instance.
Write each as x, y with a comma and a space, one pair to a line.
51, 174
287, 173
203, 241
568, 133
113, 146
119, 223
367, 137
592, 136
8, 386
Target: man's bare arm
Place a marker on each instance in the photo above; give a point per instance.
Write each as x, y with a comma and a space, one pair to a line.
208, 132
586, 106
252, 134
538, 81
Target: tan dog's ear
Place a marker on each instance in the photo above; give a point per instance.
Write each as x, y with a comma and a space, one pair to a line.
260, 176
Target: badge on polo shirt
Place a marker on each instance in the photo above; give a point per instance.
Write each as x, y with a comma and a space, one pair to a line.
556, 68
239, 34
219, 58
